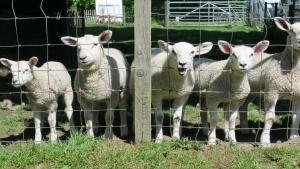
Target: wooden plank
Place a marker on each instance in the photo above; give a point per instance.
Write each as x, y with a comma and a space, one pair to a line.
142, 73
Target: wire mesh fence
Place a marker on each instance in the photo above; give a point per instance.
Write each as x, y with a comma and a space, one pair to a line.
100, 78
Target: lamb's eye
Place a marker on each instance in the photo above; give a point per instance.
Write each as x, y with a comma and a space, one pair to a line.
173, 52
95, 44
251, 54
192, 52
26, 70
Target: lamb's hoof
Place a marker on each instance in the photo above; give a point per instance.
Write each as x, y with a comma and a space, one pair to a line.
212, 142
159, 140
232, 142
38, 141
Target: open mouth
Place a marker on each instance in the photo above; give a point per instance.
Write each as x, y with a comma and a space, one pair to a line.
182, 71
83, 62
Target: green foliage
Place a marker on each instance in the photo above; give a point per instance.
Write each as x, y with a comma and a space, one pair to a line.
87, 4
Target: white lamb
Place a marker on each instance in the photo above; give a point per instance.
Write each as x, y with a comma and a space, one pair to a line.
226, 82
172, 79
281, 79
102, 77
43, 86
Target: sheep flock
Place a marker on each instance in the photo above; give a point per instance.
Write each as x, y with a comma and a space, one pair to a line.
104, 78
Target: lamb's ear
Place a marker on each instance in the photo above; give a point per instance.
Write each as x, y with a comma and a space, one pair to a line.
105, 36
164, 46
203, 48
6, 62
33, 61
261, 46
69, 40
225, 47
282, 24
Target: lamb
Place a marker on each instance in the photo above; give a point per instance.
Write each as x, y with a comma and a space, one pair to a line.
280, 80
172, 79
226, 82
43, 86
102, 77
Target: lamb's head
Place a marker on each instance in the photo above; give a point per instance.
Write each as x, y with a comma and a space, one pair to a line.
241, 56
89, 47
292, 29
21, 70
182, 54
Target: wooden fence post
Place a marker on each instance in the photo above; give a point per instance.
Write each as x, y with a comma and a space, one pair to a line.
142, 56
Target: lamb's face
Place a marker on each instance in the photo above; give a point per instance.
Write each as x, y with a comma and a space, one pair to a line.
21, 71
89, 47
182, 54
295, 35
241, 57
292, 29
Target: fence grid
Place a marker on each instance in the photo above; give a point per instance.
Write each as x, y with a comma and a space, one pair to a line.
203, 13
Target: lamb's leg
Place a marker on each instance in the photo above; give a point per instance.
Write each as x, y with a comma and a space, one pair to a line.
68, 98
270, 103
295, 119
177, 106
88, 118
52, 121
37, 125
234, 108
159, 118
212, 138
203, 114
109, 118
226, 121
123, 114
213, 110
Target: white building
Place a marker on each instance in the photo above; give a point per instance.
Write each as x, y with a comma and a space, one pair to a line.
109, 10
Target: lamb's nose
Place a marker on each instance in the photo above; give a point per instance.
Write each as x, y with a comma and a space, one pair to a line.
242, 65
181, 64
14, 81
82, 58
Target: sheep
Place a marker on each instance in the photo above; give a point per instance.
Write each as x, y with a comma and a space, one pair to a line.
172, 78
254, 78
225, 82
43, 86
102, 77
280, 80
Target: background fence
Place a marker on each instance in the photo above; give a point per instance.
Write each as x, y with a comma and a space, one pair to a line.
17, 120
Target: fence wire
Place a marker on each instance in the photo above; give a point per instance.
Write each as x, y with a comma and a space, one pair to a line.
191, 125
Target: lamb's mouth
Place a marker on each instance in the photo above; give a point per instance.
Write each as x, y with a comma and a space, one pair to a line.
182, 71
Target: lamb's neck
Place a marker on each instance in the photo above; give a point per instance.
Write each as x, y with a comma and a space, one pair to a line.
292, 53
34, 85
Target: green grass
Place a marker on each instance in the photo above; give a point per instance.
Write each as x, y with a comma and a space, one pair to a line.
81, 151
